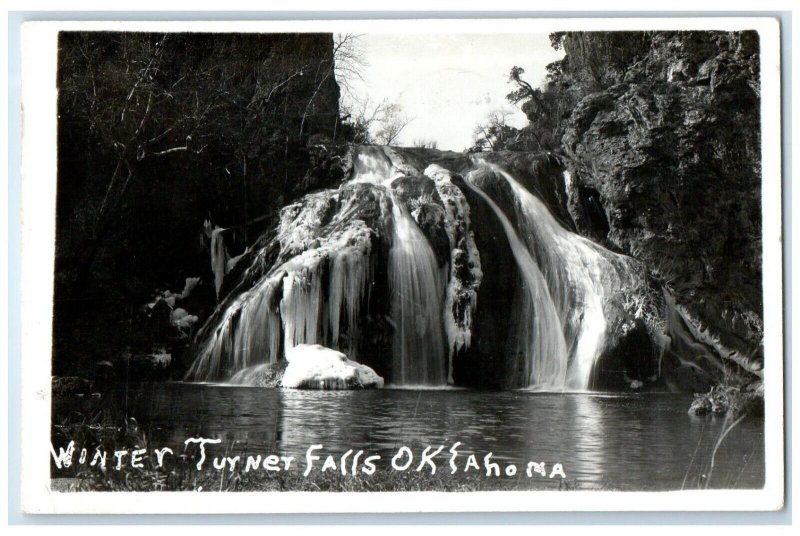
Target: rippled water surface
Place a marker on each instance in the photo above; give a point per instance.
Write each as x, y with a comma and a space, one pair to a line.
645, 441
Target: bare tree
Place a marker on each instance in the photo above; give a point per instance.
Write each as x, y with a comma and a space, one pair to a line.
349, 60
144, 101
361, 115
494, 133
372, 122
391, 123
133, 112
375, 122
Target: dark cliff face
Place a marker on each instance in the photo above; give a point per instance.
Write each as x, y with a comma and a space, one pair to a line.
664, 161
156, 134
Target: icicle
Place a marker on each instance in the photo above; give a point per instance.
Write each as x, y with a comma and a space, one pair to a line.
347, 287
461, 299
301, 307
219, 258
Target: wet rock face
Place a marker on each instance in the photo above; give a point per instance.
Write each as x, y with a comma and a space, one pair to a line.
665, 166
418, 194
540, 173
629, 362
484, 363
586, 205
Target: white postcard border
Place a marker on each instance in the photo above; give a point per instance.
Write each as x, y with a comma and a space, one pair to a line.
38, 239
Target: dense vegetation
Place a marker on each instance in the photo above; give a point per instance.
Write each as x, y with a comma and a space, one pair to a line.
158, 133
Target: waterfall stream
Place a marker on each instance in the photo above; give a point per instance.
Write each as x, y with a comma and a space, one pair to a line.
317, 289
417, 296
569, 279
540, 339
416, 283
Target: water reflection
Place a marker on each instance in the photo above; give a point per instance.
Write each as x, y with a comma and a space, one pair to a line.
587, 435
603, 441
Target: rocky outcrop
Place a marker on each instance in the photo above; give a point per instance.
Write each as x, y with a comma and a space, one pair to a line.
730, 400
664, 165
421, 267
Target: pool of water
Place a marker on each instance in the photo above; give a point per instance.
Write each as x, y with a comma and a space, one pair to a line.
604, 441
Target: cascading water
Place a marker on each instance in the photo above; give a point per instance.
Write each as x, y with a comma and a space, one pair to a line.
541, 339
415, 280
311, 281
579, 276
318, 286
414, 275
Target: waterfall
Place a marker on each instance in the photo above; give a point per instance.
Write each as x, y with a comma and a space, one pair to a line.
418, 345
316, 290
540, 339
574, 269
247, 334
415, 280
310, 280
581, 277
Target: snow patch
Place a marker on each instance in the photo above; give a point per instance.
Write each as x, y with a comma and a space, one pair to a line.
160, 358
312, 366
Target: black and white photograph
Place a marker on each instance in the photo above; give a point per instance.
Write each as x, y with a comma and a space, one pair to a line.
537, 261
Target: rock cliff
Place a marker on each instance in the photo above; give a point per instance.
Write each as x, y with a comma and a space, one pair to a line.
663, 155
